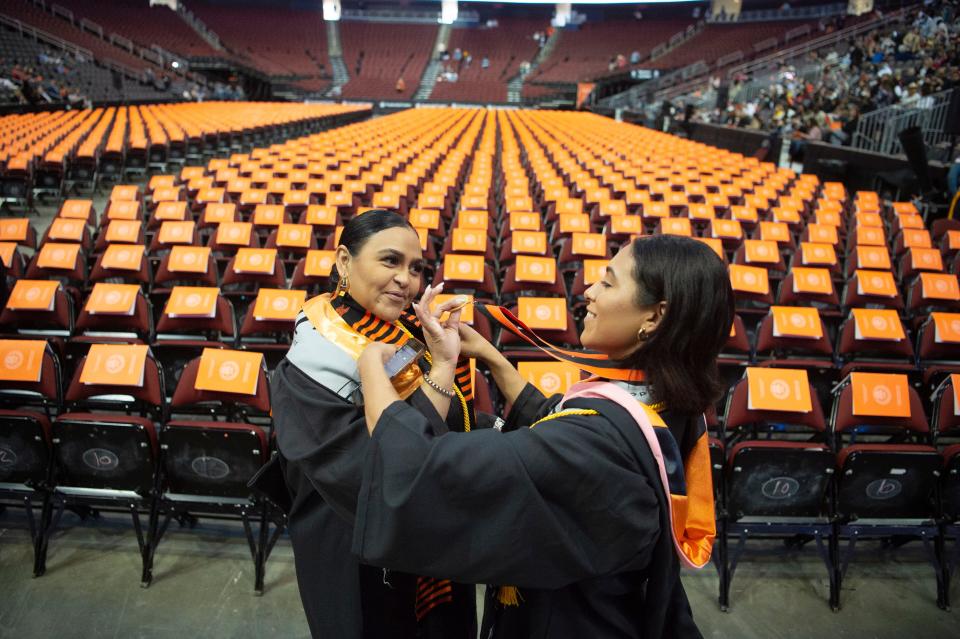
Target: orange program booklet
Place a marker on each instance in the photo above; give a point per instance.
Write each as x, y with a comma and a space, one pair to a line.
531, 268
112, 299
229, 371
548, 313
463, 267
549, 377
115, 364
123, 257
21, 360
33, 295
278, 304
778, 389
192, 301
880, 395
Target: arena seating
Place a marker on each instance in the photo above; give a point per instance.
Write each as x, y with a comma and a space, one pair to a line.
277, 41
586, 53
378, 55
506, 46
136, 20
35, 16
521, 208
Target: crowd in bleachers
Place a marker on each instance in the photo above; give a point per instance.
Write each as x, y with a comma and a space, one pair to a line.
901, 65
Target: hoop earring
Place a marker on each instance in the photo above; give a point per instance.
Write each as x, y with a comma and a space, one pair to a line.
342, 287
642, 335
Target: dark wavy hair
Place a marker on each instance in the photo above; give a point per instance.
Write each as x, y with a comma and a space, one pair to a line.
361, 228
679, 357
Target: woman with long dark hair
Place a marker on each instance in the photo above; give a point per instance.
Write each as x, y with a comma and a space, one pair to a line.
322, 438
582, 509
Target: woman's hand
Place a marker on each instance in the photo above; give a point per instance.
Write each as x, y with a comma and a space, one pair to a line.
473, 344
442, 338
375, 354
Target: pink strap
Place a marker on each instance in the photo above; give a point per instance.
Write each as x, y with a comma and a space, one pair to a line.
612, 392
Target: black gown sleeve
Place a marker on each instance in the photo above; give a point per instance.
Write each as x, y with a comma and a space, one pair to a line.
537, 507
529, 406
326, 437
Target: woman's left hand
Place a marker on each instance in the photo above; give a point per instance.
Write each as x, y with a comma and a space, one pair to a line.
442, 338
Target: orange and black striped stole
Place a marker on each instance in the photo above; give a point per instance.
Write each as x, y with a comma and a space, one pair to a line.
590, 361
431, 593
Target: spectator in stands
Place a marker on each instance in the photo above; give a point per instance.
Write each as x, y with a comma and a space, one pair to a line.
401, 86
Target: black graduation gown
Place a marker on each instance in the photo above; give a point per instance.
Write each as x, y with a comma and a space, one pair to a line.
572, 512
323, 440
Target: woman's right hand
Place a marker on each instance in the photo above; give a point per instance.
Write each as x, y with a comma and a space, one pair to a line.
473, 344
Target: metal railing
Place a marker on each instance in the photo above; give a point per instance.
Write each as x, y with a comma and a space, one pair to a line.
877, 131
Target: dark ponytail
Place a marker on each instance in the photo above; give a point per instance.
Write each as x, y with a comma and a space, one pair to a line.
360, 229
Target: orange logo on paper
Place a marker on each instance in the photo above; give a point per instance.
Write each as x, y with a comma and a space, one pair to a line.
676, 226
125, 192
701, 212
831, 218
869, 219
189, 259
790, 321
593, 270
744, 213
524, 221
530, 242
251, 260
656, 209
590, 244
278, 304
210, 195
569, 206
58, 256
916, 238
911, 222
14, 229
33, 295
76, 209
877, 283
626, 224
870, 236
21, 360
550, 378
463, 267
536, 269
549, 313
474, 220
880, 395
66, 229
112, 299
229, 371
166, 194
789, 216
749, 279
812, 281
123, 257
171, 211
218, 212
877, 324
294, 235
774, 231
822, 233
574, 223
234, 233
268, 215
946, 327
616, 207
192, 301
874, 257
115, 364
425, 218
469, 240
812, 253
727, 228
778, 389
940, 286
761, 252
123, 231
176, 232
319, 263
321, 215
928, 259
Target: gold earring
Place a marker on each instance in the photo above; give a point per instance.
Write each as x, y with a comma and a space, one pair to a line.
342, 286
642, 334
